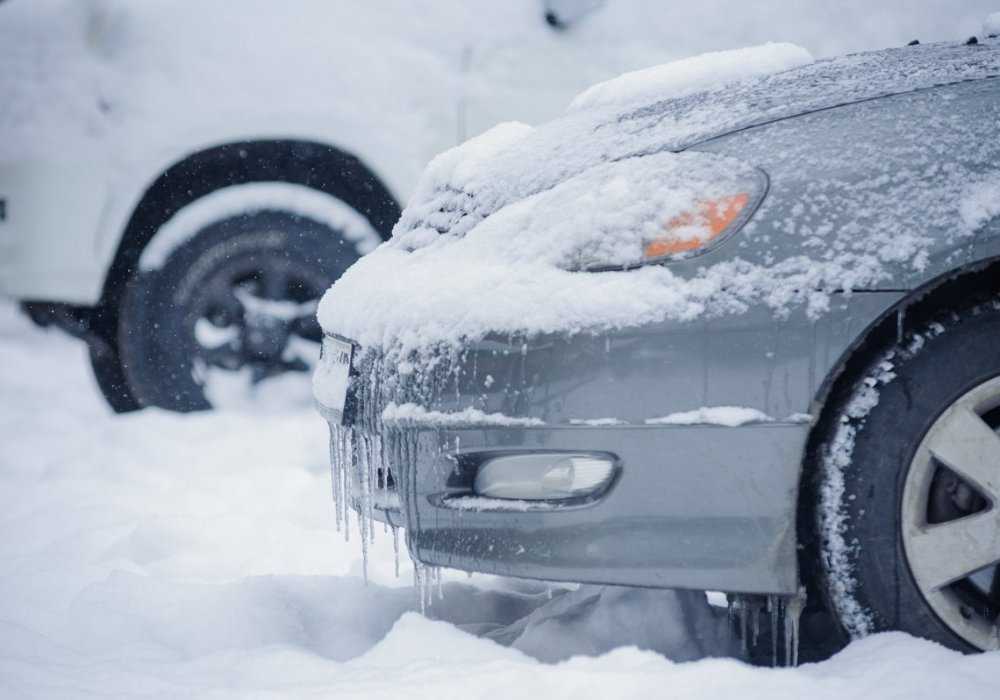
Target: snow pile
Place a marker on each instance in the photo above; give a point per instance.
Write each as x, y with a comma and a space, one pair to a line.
981, 202
597, 422
730, 416
410, 414
166, 556
605, 216
693, 74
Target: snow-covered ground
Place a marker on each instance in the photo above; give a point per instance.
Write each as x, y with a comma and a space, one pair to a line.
157, 555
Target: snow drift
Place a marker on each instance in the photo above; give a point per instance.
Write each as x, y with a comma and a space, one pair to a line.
165, 556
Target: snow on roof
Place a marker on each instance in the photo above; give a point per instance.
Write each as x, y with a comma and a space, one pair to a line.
693, 74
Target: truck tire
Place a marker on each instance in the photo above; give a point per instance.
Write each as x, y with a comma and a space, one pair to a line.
239, 298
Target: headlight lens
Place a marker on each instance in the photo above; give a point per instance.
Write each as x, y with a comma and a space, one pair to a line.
691, 230
649, 209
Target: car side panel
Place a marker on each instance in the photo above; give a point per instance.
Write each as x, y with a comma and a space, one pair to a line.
891, 178
757, 359
47, 233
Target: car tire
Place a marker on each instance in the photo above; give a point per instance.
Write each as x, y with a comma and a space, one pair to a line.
902, 475
276, 262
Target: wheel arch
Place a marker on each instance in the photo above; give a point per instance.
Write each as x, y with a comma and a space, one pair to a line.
320, 166
958, 287
303, 162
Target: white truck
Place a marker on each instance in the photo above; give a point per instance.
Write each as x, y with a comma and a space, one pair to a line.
180, 181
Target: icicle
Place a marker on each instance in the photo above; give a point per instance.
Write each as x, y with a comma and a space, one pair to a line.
348, 495
334, 476
395, 548
374, 464
341, 458
774, 613
793, 613
740, 616
364, 481
418, 585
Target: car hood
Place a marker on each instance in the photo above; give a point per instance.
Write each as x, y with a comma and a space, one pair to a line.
468, 183
473, 251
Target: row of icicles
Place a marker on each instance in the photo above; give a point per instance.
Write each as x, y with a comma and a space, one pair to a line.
354, 489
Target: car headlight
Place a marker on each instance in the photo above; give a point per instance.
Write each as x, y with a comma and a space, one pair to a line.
691, 231
655, 209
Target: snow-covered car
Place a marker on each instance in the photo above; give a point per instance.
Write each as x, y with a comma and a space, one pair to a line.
708, 330
180, 182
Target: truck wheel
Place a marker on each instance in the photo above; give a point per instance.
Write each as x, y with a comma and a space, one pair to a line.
230, 311
909, 514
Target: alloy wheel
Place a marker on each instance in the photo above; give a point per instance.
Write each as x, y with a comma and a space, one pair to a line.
950, 516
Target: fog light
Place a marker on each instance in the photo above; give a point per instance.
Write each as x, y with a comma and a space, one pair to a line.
542, 476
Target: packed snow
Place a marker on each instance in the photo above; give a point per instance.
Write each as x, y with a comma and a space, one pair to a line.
981, 202
692, 75
608, 216
413, 415
597, 422
159, 555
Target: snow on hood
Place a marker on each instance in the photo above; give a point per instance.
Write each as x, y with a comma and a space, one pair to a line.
693, 74
490, 238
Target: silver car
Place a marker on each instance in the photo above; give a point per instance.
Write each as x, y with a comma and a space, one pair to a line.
807, 415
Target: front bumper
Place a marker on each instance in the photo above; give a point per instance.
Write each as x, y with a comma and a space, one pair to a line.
683, 513
693, 506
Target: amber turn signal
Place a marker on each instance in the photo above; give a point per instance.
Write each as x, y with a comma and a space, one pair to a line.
711, 220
